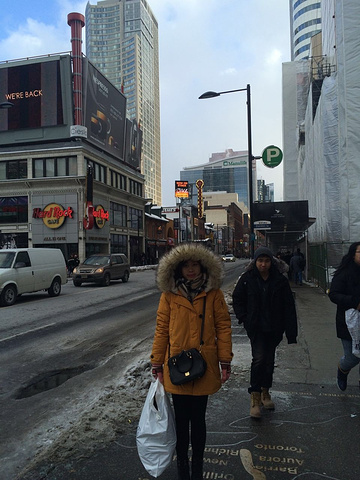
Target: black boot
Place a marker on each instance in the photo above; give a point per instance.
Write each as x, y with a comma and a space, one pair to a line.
183, 469
197, 469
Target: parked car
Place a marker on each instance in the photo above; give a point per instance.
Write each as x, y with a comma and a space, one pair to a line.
102, 269
229, 257
27, 270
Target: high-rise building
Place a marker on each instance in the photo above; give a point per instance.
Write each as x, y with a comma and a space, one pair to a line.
265, 192
226, 171
122, 41
305, 21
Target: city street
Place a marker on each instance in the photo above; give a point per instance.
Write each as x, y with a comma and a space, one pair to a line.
85, 427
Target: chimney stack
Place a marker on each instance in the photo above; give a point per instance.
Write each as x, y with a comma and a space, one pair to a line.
77, 22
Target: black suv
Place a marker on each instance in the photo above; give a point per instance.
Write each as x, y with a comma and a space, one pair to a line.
102, 269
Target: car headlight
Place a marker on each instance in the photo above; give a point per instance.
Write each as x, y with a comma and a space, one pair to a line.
76, 270
99, 270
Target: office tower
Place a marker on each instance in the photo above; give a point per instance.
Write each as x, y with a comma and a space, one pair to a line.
226, 171
305, 21
122, 41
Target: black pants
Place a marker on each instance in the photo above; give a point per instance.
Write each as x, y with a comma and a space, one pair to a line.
190, 410
263, 347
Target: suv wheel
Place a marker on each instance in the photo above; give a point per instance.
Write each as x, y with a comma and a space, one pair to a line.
8, 296
77, 283
106, 280
125, 278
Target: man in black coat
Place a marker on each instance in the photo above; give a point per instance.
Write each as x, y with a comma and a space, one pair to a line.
264, 303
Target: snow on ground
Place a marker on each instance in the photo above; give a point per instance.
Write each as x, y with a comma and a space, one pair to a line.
116, 412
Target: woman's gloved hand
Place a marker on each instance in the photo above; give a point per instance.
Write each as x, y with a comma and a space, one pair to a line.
157, 372
225, 371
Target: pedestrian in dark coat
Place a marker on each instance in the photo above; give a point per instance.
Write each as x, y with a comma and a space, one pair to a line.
297, 265
345, 292
264, 303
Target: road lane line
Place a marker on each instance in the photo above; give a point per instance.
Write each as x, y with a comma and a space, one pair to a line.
27, 331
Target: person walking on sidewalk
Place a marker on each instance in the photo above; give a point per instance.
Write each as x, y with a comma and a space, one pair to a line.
297, 265
345, 293
264, 303
190, 277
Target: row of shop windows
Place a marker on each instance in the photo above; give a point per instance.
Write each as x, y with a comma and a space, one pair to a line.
14, 210
64, 167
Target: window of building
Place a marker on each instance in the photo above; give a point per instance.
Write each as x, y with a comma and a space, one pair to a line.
13, 169
98, 169
135, 188
117, 180
13, 210
118, 214
54, 167
118, 243
135, 218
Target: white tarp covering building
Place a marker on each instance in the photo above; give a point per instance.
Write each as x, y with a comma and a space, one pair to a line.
321, 118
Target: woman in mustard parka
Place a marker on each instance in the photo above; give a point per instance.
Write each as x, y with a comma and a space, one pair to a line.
188, 276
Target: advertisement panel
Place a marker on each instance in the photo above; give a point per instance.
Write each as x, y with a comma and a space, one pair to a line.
295, 215
104, 111
41, 97
181, 189
133, 144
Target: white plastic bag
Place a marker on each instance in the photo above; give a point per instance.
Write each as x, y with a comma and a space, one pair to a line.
352, 318
156, 434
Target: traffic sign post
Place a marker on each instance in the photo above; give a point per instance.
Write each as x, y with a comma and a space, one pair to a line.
272, 156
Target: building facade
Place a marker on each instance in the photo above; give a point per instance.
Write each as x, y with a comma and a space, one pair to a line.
226, 171
122, 42
320, 123
305, 21
64, 179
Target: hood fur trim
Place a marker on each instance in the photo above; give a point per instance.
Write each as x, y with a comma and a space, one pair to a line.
182, 253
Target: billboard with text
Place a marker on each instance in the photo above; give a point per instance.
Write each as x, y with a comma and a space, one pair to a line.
40, 96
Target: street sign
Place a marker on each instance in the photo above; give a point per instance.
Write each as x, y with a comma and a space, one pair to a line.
262, 225
272, 156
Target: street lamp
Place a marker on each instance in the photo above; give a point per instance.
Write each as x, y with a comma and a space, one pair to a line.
250, 155
6, 105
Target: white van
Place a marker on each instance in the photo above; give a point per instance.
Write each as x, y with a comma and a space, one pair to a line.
26, 270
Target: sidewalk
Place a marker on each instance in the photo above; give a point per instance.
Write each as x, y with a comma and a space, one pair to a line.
320, 347
313, 433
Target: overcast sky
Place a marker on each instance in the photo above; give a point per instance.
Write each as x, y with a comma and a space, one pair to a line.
204, 45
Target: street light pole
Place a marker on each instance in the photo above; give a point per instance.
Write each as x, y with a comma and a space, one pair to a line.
250, 155
6, 105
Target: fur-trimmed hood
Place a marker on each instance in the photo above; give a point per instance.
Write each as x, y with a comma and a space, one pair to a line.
165, 277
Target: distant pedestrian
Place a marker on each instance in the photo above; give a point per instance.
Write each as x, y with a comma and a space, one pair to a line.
190, 277
72, 263
345, 292
264, 303
297, 266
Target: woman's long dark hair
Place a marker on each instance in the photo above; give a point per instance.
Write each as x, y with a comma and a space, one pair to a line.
347, 259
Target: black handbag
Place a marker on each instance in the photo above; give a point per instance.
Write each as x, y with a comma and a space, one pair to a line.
188, 365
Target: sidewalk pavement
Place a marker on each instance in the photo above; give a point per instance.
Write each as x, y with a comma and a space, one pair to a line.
313, 434
320, 347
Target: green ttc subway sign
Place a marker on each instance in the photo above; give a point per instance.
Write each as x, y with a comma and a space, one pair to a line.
272, 156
